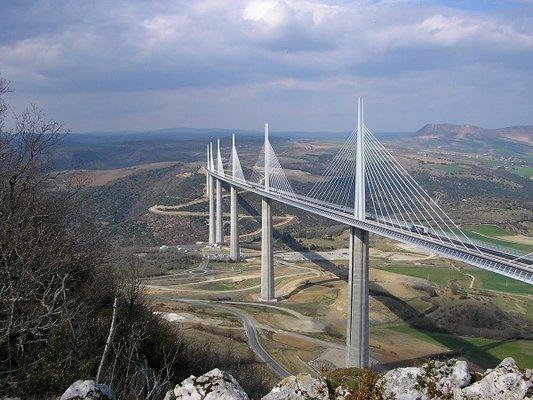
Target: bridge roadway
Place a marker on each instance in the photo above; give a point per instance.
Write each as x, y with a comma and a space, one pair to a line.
492, 260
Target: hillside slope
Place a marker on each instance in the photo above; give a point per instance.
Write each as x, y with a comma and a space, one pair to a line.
522, 134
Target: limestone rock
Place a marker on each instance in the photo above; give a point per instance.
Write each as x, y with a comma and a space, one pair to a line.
299, 387
341, 393
213, 385
461, 375
441, 379
401, 383
505, 382
88, 390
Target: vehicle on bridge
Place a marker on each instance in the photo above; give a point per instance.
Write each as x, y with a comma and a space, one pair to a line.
419, 229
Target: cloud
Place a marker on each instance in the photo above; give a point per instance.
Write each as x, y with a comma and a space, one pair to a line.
258, 50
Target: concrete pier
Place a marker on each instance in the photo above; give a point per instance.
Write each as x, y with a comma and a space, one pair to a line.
219, 228
357, 342
234, 226
211, 197
267, 253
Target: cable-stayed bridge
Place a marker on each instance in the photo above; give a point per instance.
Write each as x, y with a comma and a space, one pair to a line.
367, 189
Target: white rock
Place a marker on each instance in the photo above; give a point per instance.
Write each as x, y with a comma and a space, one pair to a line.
401, 384
213, 385
412, 383
461, 375
89, 390
505, 382
341, 393
299, 387
507, 362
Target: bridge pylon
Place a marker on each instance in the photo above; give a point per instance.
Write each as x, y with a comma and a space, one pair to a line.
211, 195
357, 337
267, 250
219, 228
234, 216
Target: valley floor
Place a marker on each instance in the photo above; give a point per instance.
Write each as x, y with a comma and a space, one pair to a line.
304, 331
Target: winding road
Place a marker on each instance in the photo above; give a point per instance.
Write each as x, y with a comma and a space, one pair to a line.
249, 324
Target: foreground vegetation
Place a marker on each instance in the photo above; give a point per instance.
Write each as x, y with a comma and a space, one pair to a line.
68, 311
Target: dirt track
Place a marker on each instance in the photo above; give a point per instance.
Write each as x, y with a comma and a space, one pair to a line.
280, 221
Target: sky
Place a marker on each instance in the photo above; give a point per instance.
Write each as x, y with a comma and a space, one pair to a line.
296, 64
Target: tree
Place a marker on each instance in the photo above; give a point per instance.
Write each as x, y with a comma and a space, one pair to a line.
47, 258
59, 291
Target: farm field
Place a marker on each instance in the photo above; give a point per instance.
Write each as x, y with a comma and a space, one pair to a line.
480, 351
498, 236
439, 275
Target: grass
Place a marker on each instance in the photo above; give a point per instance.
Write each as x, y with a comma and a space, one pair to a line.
500, 283
488, 230
438, 275
491, 233
524, 172
484, 279
486, 353
451, 168
515, 305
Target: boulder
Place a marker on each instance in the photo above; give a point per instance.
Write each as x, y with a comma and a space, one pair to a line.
505, 382
89, 390
301, 386
401, 383
433, 379
461, 375
213, 385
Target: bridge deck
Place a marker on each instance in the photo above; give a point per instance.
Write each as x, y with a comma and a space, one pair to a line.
482, 257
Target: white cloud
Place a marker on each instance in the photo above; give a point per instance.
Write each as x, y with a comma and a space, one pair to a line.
441, 30
262, 48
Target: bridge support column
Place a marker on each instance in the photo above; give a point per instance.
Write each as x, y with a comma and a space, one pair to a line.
357, 343
219, 230
211, 198
267, 253
234, 226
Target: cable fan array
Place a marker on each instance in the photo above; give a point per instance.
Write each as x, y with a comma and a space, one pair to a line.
278, 181
220, 165
393, 197
336, 186
396, 199
236, 165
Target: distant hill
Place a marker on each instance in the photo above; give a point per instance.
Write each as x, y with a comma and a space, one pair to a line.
184, 133
522, 134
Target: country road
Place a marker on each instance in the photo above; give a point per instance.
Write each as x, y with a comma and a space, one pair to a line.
249, 324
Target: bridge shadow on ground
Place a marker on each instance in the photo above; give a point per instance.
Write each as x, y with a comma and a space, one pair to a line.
459, 346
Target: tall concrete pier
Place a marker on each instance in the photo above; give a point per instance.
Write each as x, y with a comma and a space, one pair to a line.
267, 250
357, 342
211, 195
219, 230
267, 253
234, 215
358, 301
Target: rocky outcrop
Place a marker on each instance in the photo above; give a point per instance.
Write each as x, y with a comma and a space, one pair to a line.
213, 385
453, 380
299, 387
88, 390
435, 380
505, 382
